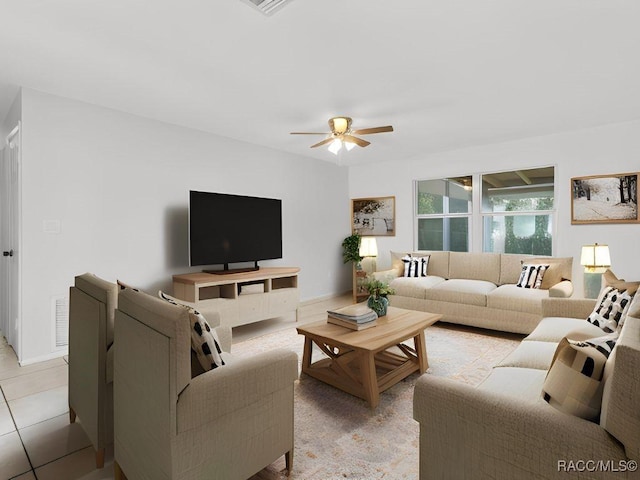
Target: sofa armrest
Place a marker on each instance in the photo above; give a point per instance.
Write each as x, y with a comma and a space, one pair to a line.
470, 433
224, 335
567, 307
562, 289
385, 275
226, 389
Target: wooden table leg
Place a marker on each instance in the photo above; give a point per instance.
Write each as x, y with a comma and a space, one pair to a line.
306, 354
369, 378
421, 351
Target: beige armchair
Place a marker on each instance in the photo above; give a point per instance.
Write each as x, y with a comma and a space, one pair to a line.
227, 423
92, 303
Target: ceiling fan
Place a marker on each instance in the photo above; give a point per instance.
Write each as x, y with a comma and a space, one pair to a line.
341, 133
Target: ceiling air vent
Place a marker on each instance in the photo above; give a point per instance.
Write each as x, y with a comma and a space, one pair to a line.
268, 7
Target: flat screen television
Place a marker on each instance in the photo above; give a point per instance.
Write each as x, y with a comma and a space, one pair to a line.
226, 229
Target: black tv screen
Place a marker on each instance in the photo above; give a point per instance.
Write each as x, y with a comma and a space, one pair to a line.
227, 228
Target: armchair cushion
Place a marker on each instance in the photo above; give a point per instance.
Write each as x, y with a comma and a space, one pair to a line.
245, 381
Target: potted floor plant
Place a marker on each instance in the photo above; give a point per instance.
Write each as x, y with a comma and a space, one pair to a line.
378, 291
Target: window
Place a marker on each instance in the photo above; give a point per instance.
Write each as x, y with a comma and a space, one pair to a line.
518, 211
443, 211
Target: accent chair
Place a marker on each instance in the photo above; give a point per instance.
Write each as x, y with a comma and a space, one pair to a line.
226, 423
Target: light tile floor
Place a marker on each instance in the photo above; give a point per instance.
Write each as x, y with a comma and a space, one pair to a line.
37, 442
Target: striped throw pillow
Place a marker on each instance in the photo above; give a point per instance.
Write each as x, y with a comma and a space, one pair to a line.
415, 266
531, 275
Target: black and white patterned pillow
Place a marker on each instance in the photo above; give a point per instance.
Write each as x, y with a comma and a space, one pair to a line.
573, 382
603, 344
531, 275
415, 266
611, 310
204, 340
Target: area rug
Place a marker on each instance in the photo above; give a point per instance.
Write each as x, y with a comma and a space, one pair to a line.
337, 435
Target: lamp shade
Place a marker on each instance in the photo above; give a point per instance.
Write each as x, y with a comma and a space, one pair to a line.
368, 247
595, 256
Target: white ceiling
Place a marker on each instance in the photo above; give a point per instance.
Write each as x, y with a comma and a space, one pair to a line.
446, 74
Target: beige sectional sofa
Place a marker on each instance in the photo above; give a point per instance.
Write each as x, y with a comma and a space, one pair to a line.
504, 429
478, 289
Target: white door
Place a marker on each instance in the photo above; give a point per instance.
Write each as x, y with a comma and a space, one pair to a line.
10, 239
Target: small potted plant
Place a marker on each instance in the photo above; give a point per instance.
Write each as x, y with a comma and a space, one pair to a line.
378, 291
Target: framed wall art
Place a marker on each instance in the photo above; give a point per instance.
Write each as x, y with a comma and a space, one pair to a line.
605, 199
374, 216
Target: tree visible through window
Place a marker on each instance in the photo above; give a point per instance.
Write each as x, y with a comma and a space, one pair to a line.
518, 211
444, 209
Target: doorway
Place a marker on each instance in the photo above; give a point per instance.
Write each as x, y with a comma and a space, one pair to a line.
10, 240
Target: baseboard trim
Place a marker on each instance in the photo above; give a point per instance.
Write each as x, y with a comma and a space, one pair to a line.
323, 298
44, 358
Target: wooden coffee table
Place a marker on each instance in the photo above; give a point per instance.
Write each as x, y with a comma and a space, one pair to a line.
359, 362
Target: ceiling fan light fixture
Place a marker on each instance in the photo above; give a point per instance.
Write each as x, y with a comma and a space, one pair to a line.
349, 145
335, 146
340, 125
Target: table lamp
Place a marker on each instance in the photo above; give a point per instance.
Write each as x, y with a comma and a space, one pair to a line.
368, 250
595, 259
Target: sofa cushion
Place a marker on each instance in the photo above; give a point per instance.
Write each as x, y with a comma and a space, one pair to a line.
611, 280
610, 309
396, 262
531, 354
559, 269
522, 383
468, 292
574, 382
414, 287
554, 329
475, 266
511, 265
510, 297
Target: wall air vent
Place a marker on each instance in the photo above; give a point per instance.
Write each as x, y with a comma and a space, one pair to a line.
60, 317
268, 7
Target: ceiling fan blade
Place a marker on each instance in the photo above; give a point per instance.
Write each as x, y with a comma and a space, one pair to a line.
367, 131
323, 142
358, 141
309, 133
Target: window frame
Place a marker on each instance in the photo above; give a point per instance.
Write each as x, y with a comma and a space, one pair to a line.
477, 217
445, 216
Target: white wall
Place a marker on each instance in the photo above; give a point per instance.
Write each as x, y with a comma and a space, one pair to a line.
604, 150
118, 184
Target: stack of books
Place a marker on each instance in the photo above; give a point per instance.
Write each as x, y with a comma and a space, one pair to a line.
355, 317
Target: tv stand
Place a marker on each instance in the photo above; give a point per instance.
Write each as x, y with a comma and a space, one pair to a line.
241, 298
227, 271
